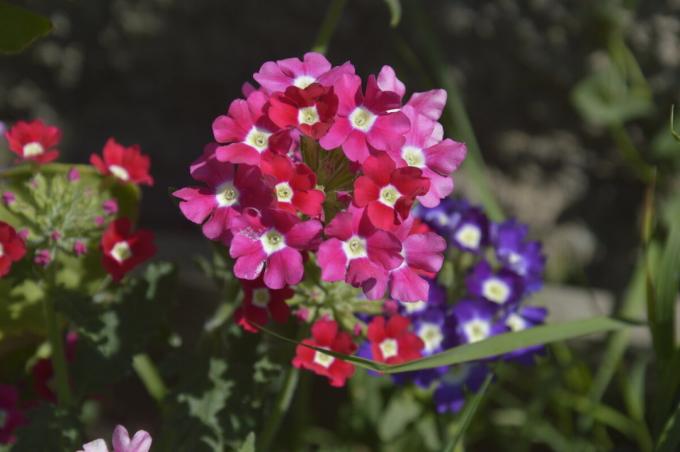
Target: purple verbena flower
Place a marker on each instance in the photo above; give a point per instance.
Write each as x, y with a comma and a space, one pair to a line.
524, 257
450, 394
503, 288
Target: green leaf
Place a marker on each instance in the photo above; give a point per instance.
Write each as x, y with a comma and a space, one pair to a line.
669, 440
493, 346
468, 413
395, 12
48, 429
19, 27
400, 412
249, 444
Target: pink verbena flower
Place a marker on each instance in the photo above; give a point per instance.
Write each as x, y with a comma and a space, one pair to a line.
34, 141
313, 68
227, 190
140, 442
424, 149
246, 132
365, 119
358, 253
273, 243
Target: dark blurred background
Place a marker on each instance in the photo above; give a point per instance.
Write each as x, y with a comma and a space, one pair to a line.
156, 72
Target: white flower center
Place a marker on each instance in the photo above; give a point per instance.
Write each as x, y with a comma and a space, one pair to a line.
362, 119
432, 336
120, 172
476, 330
496, 290
389, 348
515, 322
32, 149
308, 115
303, 81
261, 297
226, 194
284, 193
413, 156
2, 250
258, 138
354, 248
272, 241
121, 252
413, 306
469, 235
323, 359
389, 195
514, 258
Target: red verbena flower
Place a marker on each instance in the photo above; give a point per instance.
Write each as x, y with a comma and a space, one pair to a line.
12, 247
123, 250
294, 185
34, 141
260, 303
127, 164
388, 192
311, 110
392, 342
326, 335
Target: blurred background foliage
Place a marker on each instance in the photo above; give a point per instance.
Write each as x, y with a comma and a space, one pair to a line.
569, 101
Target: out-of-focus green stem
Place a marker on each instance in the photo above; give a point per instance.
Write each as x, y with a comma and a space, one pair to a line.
56, 340
151, 378
329, 25
280, 408
458, 120
630, 153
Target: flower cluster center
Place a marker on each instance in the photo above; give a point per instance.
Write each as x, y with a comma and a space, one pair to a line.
226, 194
120, 172
273, 241
258, 138
284, 193
362, 119
413, 156
389, 348
32, 149
476, 330
121, 251
261, 297
308, 115
389, 195
496, 290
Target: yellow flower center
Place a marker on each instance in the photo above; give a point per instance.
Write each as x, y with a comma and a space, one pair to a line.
308, 115
495, 290
354, 248
476, 330
389, 195
284, 193
32, 149
413, 156
261, 297
362, 119
389, 348
257, 138
226, 194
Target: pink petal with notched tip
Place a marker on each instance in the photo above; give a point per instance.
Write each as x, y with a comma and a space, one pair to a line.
429, 103
446, 156
283, 268
440, 188
388, 81
388, 131
304, 235
196, 204
332, 260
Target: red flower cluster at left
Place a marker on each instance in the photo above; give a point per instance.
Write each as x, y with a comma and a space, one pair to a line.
314, 165
122, 249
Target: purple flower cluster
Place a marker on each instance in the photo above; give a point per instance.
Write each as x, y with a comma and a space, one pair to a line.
502, 269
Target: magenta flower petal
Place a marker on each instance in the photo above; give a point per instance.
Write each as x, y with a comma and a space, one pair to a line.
304, 235
196, 205
440, 188
332, 260
388, 81
446, 156
283, 267
336, 135
406, 285
424, 251
430, 103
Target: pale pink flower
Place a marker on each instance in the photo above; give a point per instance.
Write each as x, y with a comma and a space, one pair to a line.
140, 442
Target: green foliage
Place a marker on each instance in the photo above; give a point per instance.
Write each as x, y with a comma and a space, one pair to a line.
19, 27
468, 413
395, 11
49, 429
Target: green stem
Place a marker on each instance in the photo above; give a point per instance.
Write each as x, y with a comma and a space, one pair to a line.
280, 408
329, 25
458, 120
56, 339
151, 378
630, 153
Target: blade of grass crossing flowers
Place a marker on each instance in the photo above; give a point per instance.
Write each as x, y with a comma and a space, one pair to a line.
487, 348
468, 413
669, 440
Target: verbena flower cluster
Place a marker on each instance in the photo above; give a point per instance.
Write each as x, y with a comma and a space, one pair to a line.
53, 211
501, 269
